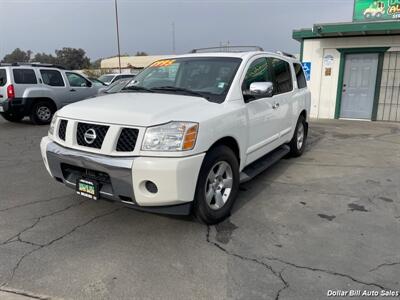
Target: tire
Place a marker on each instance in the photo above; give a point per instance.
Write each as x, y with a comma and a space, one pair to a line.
209, 208
12, 117
298, 142
42, 112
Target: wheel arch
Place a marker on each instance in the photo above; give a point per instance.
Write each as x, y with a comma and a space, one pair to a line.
45, 99
231, 143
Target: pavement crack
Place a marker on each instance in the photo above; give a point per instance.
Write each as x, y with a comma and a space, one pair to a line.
18, 264
37, 221
25, 294
385, 265
30, 203
334, 273
277, 274
286, 285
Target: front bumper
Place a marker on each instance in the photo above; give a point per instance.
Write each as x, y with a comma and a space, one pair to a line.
123, 178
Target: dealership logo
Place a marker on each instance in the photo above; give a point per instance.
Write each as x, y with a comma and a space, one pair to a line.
90, 136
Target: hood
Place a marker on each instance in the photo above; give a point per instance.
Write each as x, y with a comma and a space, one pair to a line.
138, 109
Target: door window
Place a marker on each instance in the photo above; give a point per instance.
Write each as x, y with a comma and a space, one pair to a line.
282, 76
301, 79
257, 72
3, 77
52, 77
24, 76
76, 80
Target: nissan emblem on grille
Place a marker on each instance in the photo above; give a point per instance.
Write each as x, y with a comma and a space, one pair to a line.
90, 136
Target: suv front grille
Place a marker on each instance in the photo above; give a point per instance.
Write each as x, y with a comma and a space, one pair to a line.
62, 129
95, 135
127, 140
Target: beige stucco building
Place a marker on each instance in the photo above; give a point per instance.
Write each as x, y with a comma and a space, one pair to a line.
134, 62
354, 69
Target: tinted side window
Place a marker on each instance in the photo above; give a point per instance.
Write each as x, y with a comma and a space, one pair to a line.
3, 77
24, 76
282, 76
301, 79
52, 77
76, 80
257, 72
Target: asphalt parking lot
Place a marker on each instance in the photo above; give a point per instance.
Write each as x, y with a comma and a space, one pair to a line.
329, 220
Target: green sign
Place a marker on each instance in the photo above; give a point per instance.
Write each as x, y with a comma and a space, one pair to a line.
376, 10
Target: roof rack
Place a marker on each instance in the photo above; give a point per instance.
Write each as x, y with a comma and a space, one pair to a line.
286, 54
34, 64
227, 49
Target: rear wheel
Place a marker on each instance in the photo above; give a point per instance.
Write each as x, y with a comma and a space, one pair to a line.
42, 112
217, 186
12, 117
298, 142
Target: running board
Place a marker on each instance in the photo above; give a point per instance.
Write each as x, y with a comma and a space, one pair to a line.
263, 163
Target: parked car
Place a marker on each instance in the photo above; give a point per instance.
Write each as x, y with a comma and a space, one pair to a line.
184, 134
97, 82
114, 87
38, 90
110, 78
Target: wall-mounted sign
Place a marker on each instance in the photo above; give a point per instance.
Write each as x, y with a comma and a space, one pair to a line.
328, 60
307, 70
376, 10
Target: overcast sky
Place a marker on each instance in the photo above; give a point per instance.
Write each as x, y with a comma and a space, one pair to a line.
46, 25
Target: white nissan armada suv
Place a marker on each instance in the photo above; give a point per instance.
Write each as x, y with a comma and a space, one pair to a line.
184, 134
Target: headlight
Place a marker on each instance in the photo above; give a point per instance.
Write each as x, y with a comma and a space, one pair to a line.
173, 136
53, 124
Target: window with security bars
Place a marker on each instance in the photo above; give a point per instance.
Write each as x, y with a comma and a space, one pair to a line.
389, 98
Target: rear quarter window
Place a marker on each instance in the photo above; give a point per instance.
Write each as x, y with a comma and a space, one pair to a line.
3, 77
24, 76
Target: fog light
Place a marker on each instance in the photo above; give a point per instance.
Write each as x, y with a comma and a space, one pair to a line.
151, 187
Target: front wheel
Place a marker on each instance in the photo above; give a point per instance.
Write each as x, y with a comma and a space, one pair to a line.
217, 186
298, 142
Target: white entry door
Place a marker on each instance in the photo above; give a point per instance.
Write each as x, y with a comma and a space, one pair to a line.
359, 86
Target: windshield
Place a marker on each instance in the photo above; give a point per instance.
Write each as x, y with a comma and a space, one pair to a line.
117, 86
106, 78
207, 77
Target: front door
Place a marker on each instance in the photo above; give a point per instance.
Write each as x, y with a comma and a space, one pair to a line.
359, 86
264, 123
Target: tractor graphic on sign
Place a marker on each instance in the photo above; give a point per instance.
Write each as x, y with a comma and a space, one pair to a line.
375, 10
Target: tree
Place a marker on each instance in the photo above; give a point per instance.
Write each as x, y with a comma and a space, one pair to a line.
141, 53
44, 58
73, 59
17, 55
95, 64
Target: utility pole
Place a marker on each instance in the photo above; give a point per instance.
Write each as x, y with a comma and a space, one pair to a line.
173, 37
117, 25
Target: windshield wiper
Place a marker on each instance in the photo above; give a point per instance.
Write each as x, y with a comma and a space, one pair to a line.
137, 88
178, 89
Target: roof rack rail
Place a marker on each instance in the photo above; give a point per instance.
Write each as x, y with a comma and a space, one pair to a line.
34, 64
286, 54
227, 49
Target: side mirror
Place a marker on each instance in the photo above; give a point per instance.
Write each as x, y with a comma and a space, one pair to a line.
261, 89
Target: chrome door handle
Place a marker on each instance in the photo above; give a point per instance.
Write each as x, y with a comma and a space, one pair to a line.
275, 106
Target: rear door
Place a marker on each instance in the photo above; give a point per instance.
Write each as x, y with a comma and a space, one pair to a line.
53, 79
283, 96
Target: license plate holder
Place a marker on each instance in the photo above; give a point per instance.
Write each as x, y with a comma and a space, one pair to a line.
87, 188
